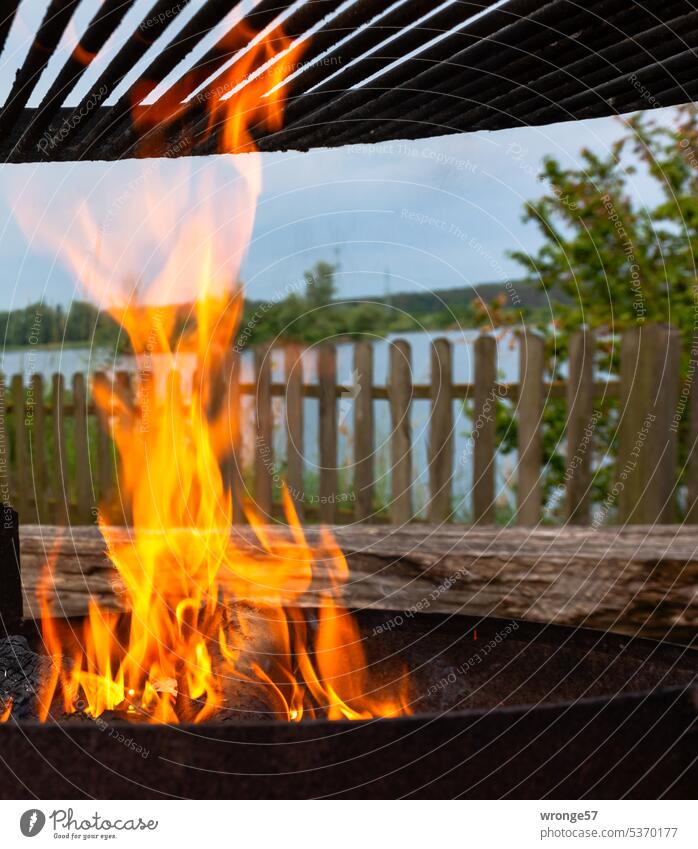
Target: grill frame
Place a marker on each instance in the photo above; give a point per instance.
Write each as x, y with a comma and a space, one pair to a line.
499, 70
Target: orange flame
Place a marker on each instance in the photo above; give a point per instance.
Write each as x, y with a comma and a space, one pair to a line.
204, 615
6, 712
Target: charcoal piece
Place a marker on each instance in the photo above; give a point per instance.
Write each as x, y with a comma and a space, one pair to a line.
22, 673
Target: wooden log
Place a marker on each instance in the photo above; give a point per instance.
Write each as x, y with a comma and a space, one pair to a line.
83, 472
293, 366
327, 379
21, 488
61, 492
37, 448
530, 440
400, 398
637, 580
264, 446
484, 430
440, 450
364, 449
580, 426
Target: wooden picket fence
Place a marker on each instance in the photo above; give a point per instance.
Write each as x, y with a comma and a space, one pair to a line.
57, 461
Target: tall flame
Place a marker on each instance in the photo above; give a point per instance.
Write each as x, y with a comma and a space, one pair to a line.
204, 615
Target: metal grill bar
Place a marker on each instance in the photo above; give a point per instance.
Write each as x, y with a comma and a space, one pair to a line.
295, 26
118, 119
516, 42
604, 56
98, 31
493, 76
441, 20
393, 86
50, 31
6, 21
182, 130
150, 28
232, 43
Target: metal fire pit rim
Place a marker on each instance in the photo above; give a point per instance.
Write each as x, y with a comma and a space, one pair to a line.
439, 758
688, 693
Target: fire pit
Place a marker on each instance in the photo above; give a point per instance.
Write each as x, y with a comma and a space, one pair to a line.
498, 708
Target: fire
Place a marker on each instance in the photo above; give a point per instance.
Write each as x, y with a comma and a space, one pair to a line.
6, 710
204, 617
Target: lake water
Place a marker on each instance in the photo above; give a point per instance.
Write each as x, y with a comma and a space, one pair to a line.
68, 361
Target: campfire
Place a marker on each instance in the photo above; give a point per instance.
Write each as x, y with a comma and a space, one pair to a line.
205, 622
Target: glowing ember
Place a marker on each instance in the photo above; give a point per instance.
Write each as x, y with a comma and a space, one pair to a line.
202, 613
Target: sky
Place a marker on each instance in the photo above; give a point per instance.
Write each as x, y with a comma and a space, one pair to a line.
400, 216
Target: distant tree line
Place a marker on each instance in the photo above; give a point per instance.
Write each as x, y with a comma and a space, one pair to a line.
44, 324
311, 314
316, 312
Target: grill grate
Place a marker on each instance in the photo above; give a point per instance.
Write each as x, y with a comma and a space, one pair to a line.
369, 70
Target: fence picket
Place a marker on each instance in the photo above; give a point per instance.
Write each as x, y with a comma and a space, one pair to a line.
363, 431
21, 461
580, 427
327, 380
293, 367
633, 378
124, 390
484, 430
400, 398
530, 443
662, 482
647, 453
83, 485
105, 460
692, 461
230, 465
61, 492
440, 451
36, 438
264, 449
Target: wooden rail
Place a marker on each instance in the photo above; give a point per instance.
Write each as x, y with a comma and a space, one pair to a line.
60, 463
